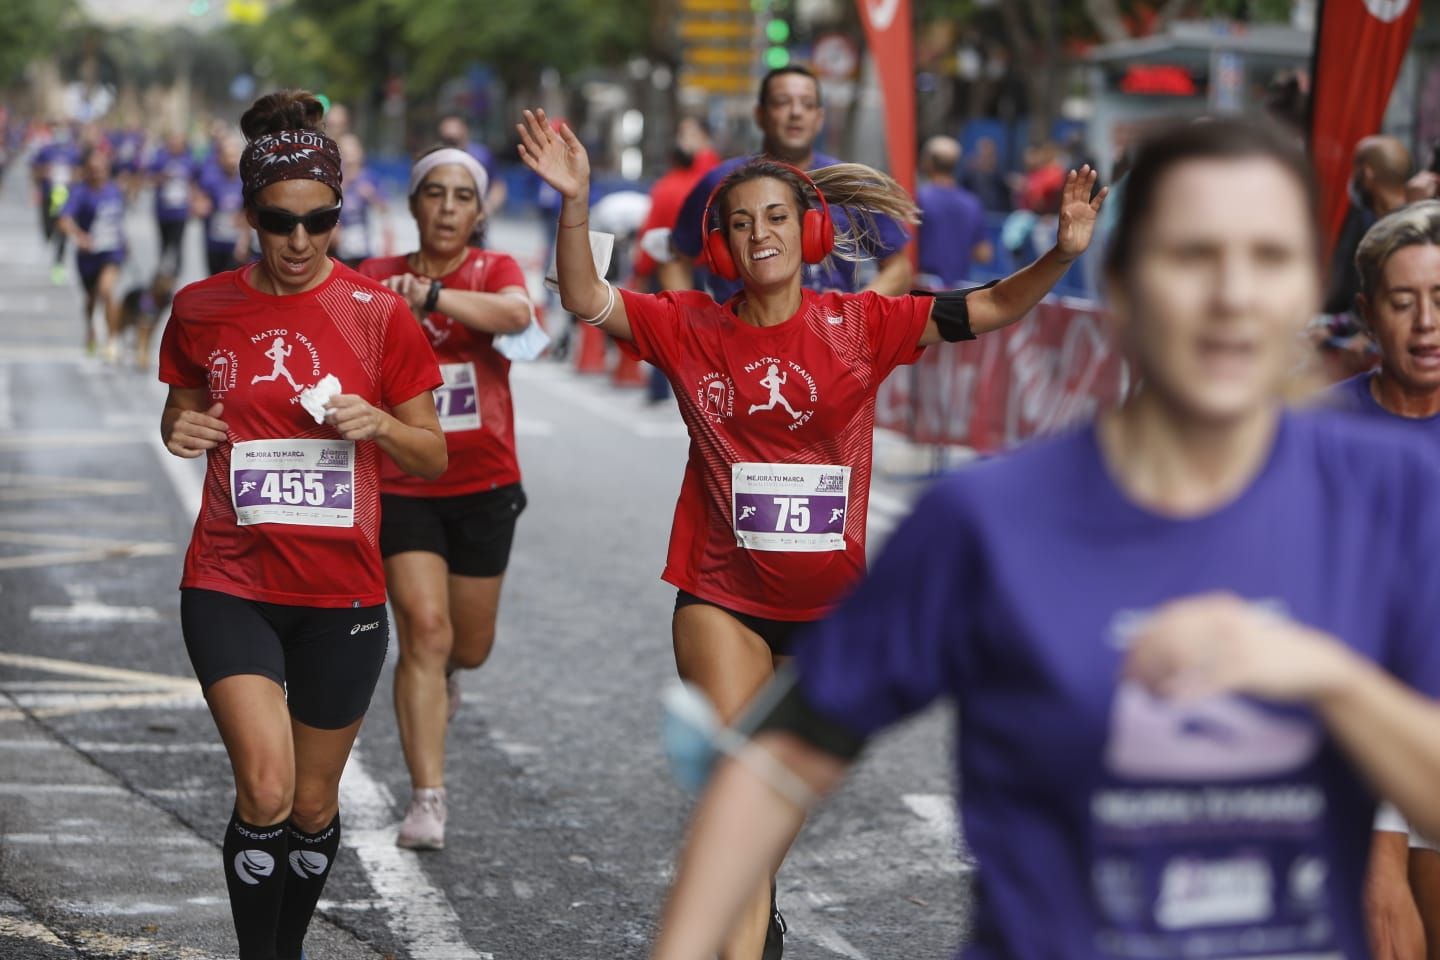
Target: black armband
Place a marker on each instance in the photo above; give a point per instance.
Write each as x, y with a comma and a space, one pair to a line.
950, 311
433, 297
781, 706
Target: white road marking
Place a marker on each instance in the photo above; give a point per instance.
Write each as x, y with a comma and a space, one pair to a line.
418, 914
106, 746
98, 839
21, 929
801, 913
29, 486
50, 439
140, 689
79, 789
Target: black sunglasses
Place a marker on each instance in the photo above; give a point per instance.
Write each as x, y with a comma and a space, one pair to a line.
282, 223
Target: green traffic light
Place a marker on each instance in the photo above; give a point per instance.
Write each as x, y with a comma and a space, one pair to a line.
777, 31
777, 57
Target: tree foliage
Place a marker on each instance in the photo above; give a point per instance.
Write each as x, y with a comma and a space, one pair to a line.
349, 47
31, 29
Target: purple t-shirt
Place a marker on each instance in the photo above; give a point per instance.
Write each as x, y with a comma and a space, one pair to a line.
354, 239
174, 172
687, 237
952, 222
59, 161
100, 213
1107, 824
227, 197
1354, 396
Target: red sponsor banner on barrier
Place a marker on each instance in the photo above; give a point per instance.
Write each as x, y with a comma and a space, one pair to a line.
1055, 368
890, 35
1357, 56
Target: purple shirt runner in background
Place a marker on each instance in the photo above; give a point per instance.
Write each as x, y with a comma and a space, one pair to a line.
354, 241
952, 222
175, 173
1354, 396
1107, 823
101, 214
840, 275
226, 194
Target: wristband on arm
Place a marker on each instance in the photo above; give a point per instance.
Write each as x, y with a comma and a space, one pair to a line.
433, 297
950, 312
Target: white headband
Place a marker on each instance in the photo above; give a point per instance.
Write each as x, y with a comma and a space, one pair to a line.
444, 156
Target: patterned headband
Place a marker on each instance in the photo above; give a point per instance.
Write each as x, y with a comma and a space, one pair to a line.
289, 155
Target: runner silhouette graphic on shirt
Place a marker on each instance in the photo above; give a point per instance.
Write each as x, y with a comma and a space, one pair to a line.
836, 513
277, 352
773, 381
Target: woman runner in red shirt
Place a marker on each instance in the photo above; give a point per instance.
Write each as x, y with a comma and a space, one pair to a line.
283, 594
446, 544
777, 388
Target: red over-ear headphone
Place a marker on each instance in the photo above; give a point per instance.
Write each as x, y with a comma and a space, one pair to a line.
817, 232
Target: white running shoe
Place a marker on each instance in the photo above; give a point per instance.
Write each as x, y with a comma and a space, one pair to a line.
424, 825
452, 695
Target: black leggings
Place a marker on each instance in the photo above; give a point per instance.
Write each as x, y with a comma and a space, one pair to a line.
328, 659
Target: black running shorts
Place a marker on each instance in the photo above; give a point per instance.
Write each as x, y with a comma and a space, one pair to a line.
473, 531
778, 634
327, 659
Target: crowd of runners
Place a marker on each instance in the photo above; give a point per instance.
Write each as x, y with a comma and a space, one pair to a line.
1190, 643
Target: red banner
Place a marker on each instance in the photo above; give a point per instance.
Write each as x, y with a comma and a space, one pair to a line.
890, 35
1056, 367
1358, 50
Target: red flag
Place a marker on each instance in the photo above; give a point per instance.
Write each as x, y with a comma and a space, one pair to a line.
1358, 49
889, 33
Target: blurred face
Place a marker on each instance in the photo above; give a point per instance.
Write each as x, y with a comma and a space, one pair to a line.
175, 143
352, 154
1404, 316
294, 262
791, 117
453, 132
763, 229
229, 153
1223, 279
447, 209
97, 167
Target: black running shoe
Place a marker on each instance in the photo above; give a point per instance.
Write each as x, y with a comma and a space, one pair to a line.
775, 935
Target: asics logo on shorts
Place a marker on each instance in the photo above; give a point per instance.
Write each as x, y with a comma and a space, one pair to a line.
362, 627
308, 863
253, 865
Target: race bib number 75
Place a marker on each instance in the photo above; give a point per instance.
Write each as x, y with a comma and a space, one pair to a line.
787, 506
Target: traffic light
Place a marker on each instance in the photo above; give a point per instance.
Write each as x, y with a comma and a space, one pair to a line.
198, 8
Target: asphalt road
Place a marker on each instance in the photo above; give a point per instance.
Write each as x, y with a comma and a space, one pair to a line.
564, 823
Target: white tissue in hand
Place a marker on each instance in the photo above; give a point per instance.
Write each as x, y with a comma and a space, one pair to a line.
313, 399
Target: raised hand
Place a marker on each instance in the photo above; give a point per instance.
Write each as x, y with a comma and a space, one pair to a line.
558, 157
1078, 212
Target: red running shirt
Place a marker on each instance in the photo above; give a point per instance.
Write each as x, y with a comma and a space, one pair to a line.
476, 409
781, 423
302, 526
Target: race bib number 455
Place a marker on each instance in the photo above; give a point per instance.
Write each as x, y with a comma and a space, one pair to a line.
786, 506
303, 482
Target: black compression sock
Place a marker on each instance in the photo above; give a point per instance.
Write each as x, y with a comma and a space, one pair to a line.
311, 857
255, 875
